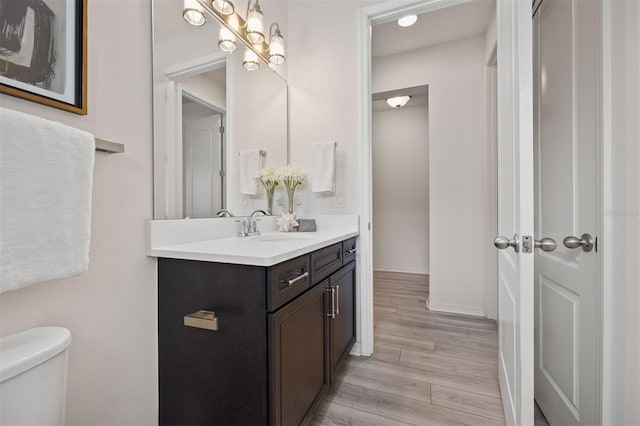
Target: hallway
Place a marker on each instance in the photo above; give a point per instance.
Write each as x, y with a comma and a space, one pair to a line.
428, 368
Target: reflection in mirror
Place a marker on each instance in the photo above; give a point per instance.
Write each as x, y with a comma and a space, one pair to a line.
207, 109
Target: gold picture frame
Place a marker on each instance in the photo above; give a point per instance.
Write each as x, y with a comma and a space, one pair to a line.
43, 52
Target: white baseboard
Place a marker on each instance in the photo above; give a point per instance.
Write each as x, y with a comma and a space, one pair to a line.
356, 350
421, 271
457, 309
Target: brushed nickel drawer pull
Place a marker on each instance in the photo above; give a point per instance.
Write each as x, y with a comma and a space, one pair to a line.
332, 314
296, 279
351, 251
337, 300
202, 319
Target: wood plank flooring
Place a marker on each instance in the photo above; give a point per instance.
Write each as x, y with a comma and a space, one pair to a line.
428, 368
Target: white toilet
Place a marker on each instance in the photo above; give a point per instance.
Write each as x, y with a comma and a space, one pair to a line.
33, 376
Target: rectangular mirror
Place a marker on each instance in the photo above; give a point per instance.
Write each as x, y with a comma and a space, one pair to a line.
207, 109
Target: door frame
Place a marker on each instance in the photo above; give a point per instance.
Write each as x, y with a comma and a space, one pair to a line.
367, 17
182, 92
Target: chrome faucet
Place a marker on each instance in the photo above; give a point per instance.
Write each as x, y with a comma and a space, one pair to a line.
224, 213
249, 227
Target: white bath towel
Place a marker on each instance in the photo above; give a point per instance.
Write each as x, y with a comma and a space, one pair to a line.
323, 172
250, 163
46, 171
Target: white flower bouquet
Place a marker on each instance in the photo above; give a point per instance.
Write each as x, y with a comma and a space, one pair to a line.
268, 177
290, 177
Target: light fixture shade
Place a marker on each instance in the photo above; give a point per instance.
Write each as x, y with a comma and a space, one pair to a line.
193, 13
276, 49
226, 40
225, 7
250, 60
407, 20
255, 25
398, 101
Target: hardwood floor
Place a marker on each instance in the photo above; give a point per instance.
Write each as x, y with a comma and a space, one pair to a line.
428, 368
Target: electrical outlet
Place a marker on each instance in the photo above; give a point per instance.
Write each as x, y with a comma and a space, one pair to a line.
339, 201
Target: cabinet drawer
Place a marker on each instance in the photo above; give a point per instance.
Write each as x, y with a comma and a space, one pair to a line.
324, 262
348, 250
287, 280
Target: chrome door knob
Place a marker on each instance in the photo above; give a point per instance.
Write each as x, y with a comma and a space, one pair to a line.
585, 241
504, 242
546, 244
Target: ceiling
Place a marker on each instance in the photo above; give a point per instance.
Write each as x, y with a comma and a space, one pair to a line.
441, 26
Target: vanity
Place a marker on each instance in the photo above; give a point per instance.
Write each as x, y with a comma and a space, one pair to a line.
253, 330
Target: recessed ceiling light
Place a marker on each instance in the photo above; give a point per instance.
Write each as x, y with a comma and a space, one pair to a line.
398, 101
407, 20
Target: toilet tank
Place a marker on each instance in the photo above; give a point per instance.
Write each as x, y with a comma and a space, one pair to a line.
33, 376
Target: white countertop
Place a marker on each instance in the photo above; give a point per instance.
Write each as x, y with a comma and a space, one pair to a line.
267, 249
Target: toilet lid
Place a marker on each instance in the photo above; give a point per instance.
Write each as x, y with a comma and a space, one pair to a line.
22, 351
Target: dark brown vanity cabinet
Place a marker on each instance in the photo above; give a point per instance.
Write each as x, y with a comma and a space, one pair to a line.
281, 334
342, 332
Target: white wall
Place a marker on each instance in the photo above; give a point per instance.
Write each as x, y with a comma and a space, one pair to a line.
621, 385
111, 309
400, 140
459, 166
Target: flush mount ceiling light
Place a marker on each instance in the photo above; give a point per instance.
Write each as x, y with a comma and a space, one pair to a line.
233, 27
398, 101
407, 20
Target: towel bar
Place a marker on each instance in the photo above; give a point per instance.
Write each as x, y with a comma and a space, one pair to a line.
109, 147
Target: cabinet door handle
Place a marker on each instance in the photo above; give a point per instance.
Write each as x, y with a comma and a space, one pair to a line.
351, 251
202, 319
296, 279
332, 312
337, 300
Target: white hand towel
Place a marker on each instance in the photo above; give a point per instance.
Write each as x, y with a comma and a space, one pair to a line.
250, 163
323, 172
46, 171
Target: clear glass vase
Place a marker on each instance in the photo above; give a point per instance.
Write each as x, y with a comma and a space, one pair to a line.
291, 197
270, 200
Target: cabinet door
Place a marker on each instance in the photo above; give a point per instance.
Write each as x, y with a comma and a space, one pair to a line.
342, 286
299, 363
212, 377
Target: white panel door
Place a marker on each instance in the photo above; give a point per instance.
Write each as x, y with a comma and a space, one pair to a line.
203, 162
515, 208
566, 59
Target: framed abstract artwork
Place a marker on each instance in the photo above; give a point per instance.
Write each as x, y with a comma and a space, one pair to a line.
43, 52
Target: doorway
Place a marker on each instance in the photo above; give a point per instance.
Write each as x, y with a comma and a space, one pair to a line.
400, 166
458, 238
203, 157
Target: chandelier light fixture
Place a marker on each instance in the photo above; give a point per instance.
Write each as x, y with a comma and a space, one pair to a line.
233, 28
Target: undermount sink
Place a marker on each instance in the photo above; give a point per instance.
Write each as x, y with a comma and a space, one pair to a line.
277, 238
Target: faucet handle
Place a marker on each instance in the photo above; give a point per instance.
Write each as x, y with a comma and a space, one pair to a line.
244, 225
